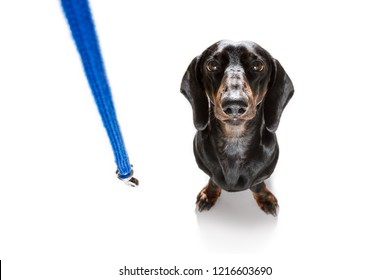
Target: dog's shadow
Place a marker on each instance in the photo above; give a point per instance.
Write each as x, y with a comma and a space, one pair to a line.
236, 224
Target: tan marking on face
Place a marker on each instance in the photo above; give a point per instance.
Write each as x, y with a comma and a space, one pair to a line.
221, 87
263, 92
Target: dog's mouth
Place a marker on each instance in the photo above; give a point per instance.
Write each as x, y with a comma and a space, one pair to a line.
234, 121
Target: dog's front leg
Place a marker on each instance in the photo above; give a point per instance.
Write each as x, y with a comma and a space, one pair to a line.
208, 196
265, 199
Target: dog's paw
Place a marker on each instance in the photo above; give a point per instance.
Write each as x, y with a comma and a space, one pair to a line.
267, 202
270, 207
207, 198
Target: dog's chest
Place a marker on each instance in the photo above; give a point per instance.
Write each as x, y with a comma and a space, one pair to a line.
233, 160
235, 148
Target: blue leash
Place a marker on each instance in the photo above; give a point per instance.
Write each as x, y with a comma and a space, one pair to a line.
82, 27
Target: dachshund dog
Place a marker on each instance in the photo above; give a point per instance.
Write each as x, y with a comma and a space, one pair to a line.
237, 92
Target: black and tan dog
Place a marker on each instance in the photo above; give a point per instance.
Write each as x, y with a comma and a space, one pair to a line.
237, 92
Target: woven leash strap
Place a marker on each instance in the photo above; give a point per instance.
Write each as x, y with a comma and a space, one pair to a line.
81, 24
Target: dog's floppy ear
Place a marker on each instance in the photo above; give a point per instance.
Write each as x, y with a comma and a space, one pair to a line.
194, 92
279, 93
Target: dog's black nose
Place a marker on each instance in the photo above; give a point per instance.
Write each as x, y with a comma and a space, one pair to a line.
234, 108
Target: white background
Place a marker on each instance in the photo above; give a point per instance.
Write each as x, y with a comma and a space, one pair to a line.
63, 213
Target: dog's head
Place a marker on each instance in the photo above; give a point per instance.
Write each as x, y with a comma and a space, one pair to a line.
231, 80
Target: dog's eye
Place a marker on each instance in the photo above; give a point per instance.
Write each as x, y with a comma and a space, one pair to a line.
257, 66
213, 66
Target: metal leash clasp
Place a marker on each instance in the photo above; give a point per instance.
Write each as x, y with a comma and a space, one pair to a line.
130, 180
